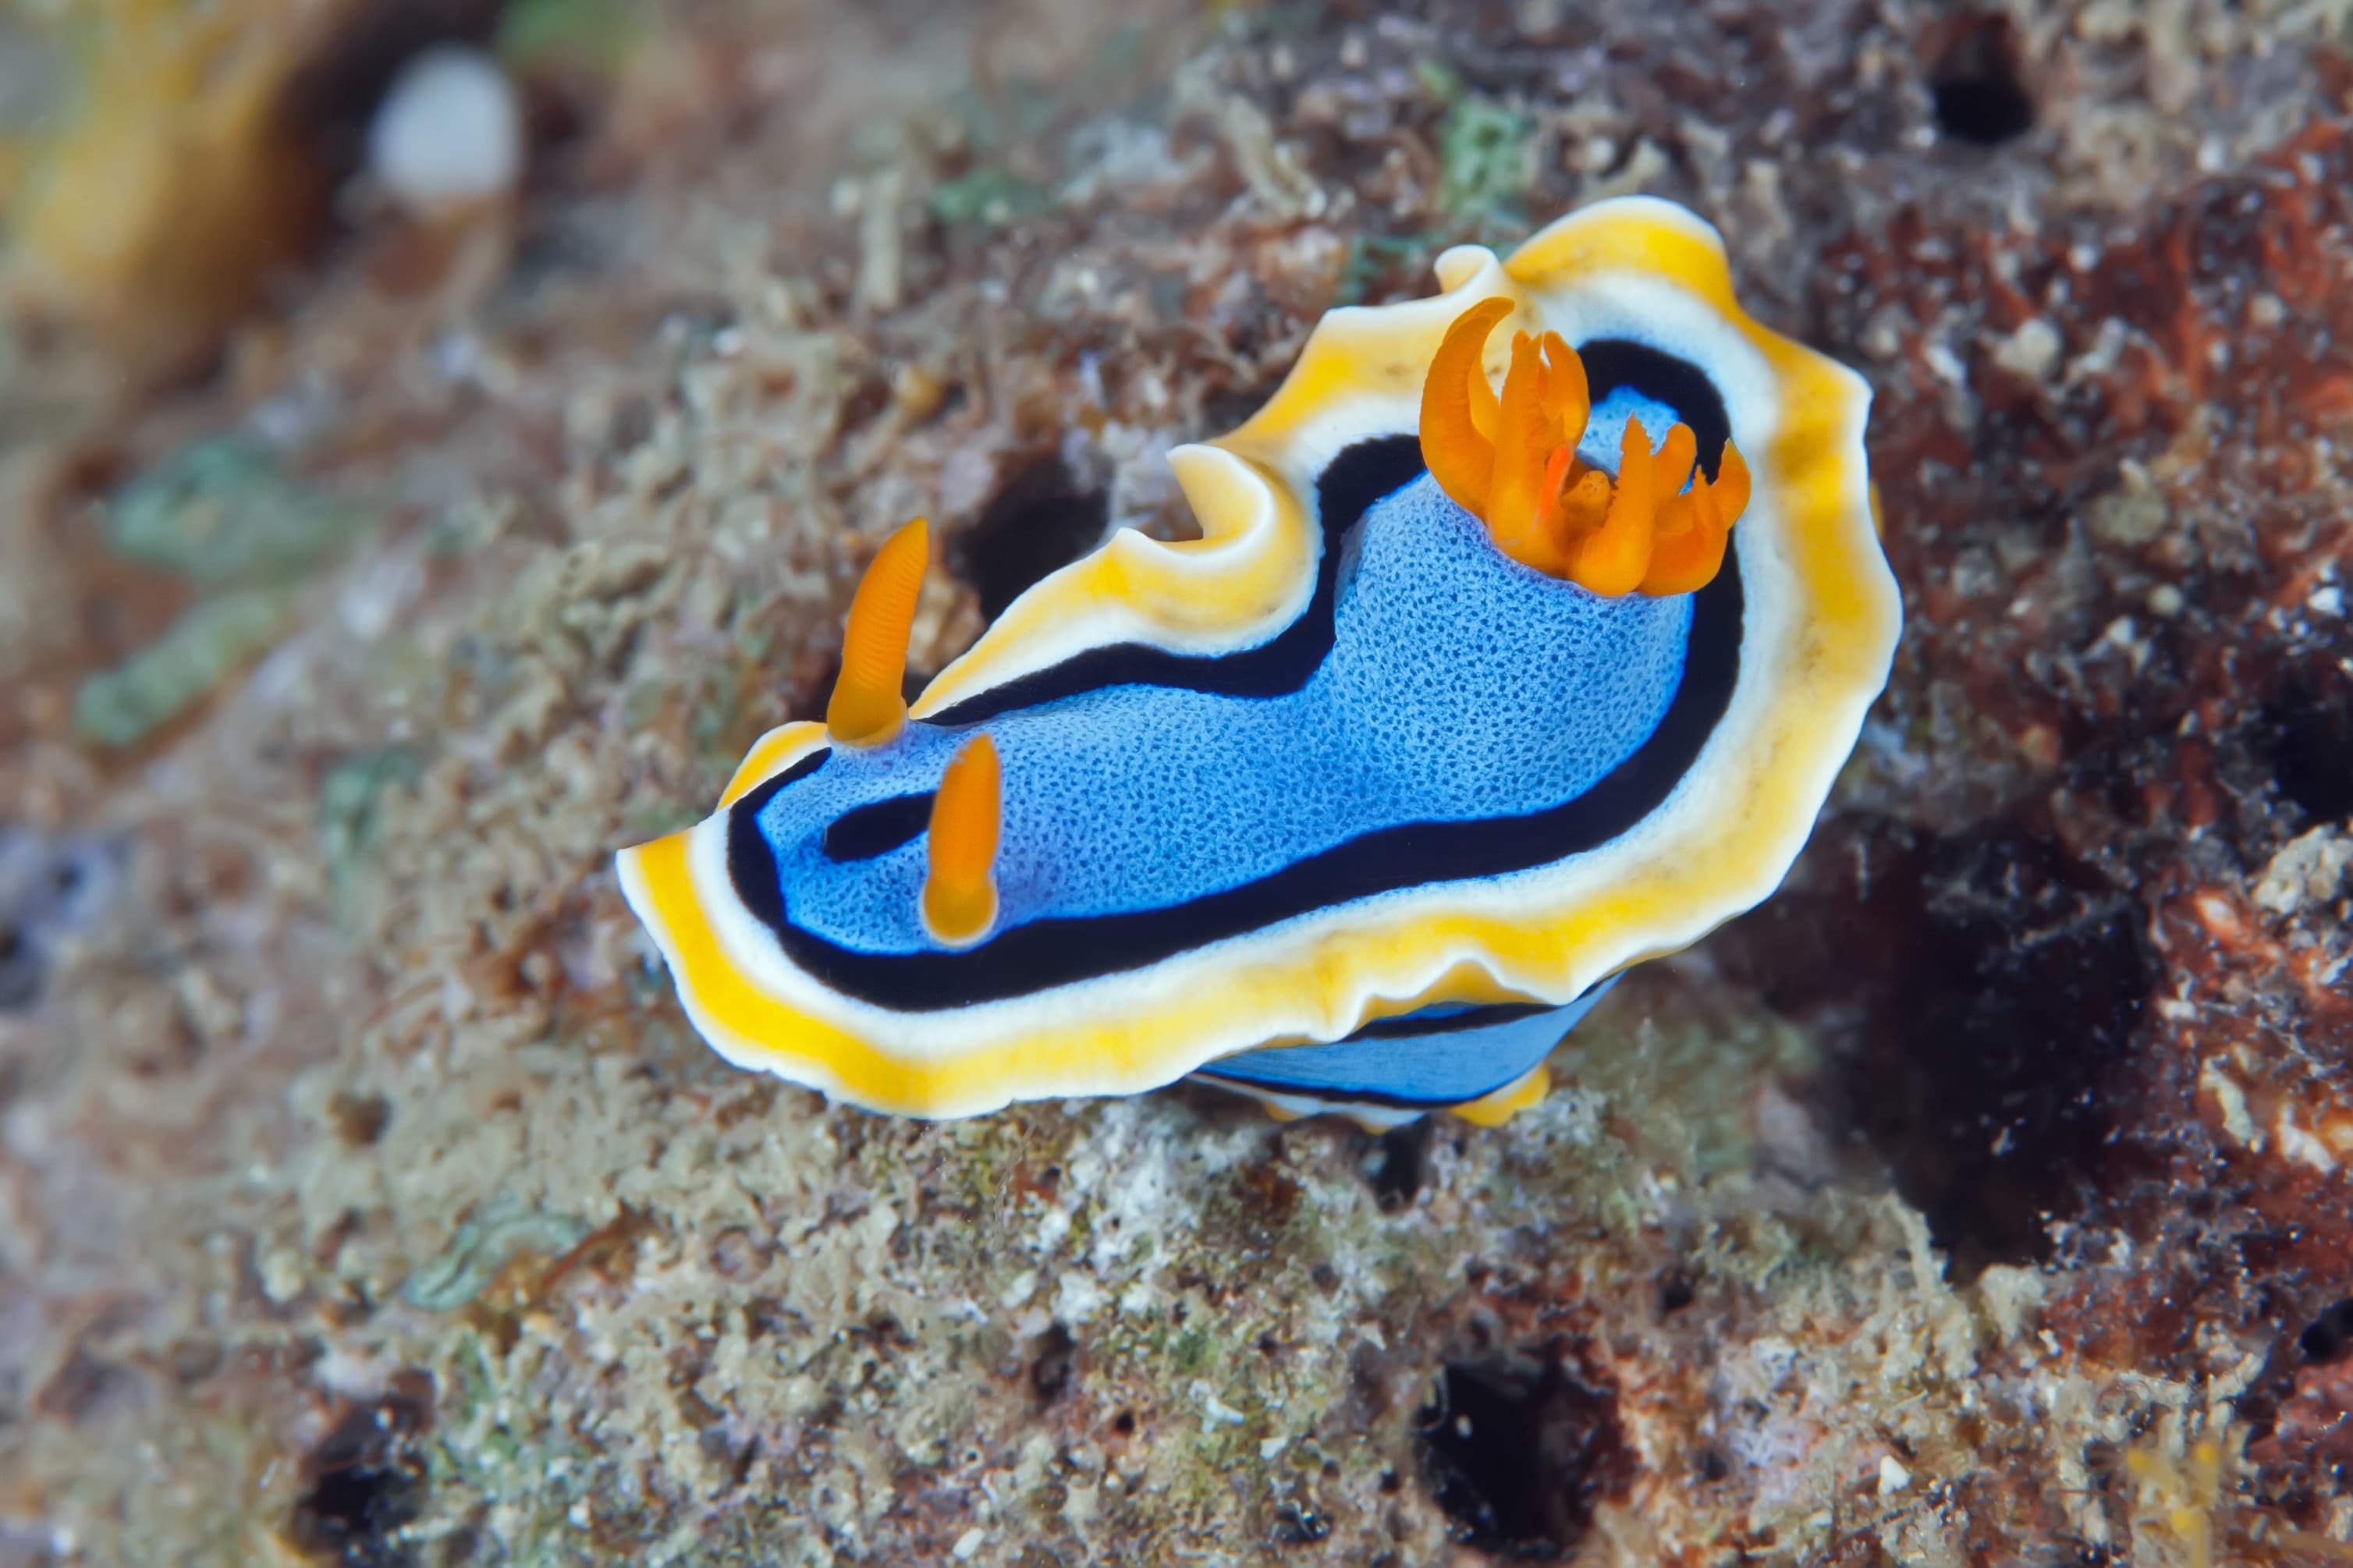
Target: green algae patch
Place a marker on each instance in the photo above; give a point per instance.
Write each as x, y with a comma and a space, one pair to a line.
553, 34
990, 196
223, 512
1483, 148
119, 706
348, 800
482, 1246
225, 517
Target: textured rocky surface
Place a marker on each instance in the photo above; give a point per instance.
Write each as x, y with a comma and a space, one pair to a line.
1983, 1199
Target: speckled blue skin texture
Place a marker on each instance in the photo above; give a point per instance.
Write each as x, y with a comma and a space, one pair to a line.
1461, 685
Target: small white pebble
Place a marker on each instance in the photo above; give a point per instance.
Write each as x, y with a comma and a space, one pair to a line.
2326, 601
1943, 363
282, 1275
2165, 601
2032, 352
1219, 1411
2297, 1144
448, 134
2306, 871
1893, 1476
967, 1545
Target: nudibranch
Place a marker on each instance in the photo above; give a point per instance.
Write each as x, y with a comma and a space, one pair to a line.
1505, 660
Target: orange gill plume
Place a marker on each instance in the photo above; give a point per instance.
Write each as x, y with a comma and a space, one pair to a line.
869, 704
1510, 460
967, 819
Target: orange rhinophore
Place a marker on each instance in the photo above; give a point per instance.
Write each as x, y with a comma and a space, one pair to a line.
869, 704
967, 817
1510, 460
1459, 409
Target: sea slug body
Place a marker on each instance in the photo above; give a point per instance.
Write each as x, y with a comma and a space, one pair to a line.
1505, 660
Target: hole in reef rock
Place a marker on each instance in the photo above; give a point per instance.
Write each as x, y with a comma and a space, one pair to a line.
1055, 1365
1299, 1524
1520, 1450
1396, 1162
367, 1481
1974, 83
2327, 1336
1042, 518
359, 1120
21, 970
2307, 732
1983, 997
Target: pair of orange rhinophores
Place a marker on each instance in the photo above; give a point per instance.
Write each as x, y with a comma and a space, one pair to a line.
869, 705
1508, 460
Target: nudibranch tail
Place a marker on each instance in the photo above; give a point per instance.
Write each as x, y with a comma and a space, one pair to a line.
1510, 460
869, 703
968, 818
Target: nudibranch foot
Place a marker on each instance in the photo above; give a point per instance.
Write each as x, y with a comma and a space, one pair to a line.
1469, 695
1523, 1093
1481, 1063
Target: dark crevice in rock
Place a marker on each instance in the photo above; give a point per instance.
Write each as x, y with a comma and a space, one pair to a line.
1396, 1162
1976, 86
367, 1481
2329, 1335
1519, 1451
47, 886
21, 970
1042, 520
1983, 997
1299, 1524
2308, 737
1053, 1369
